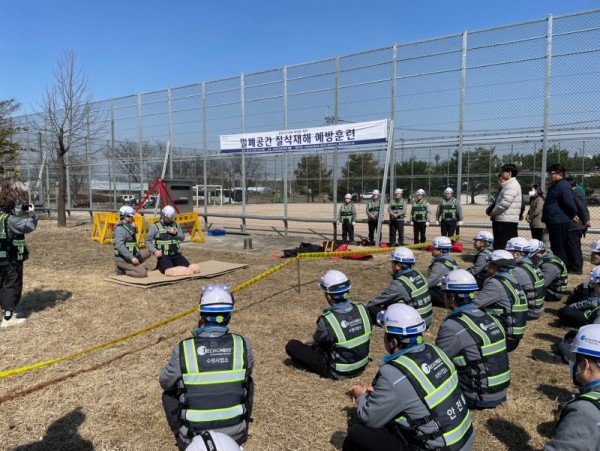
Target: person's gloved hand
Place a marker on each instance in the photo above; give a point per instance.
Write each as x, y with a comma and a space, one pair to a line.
437, 222
412, 223
459, 223
427, 223
354, 223
31, 208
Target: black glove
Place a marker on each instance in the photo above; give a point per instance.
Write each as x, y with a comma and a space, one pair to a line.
25, 207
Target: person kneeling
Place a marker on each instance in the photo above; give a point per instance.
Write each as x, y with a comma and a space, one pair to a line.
343, 335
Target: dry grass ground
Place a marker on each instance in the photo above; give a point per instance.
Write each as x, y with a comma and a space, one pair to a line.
110, 399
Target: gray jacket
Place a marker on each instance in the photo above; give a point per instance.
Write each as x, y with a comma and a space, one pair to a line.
121, 237
493, 292
439, 268
18, 225
508, 202
534, 215
153, 234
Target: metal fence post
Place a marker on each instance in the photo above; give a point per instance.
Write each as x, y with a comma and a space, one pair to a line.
461, 115
546, 104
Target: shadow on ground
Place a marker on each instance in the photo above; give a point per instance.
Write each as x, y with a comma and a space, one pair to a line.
557, 394
38, 300
514, 437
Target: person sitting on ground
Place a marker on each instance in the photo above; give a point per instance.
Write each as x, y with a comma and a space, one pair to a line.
584, 290
441, 264
555, 272
529, 276
503, 297
408, 286
585, 310
341, 341
482, 242
476, 343
415, 402
207, 381
163, 242
578, 420
128, 256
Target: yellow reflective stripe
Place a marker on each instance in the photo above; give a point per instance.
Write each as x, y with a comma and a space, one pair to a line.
425, 310
345, 367
198, 416
499, 379
456, 434
414, 291
365, 318
416, 372
2, 226
443, 391
517, 306
238, 353
335, 325
459, 360
475, 328
518, 330
189, 353
349, 344
214, 377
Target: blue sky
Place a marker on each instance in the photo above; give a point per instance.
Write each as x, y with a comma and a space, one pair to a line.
129, 47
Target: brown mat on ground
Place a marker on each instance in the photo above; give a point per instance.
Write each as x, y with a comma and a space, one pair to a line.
208, 269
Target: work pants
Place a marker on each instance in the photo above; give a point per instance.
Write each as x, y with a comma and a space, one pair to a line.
135, 270
448, 227
437, 297
572, 317
503, 231
11, 285
574, 260
419, 229
308, 357
347, 232
397, 227
364, 438
170, 261
558, 239
372, 229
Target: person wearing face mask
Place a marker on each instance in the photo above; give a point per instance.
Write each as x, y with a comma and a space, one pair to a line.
577, 423
507, 208
415, 401
534, 215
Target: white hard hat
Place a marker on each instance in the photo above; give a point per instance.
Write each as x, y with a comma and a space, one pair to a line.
335, 283
441, 242
501, 258
404, 320
595, 276
375, 192
595, 246
587, 341
484, 235
536, 246
168, 211
402, 255
348, 196
518, 243
126, 210
448, 191
213, 441
216, 299
459, 280
420, 192
398, 191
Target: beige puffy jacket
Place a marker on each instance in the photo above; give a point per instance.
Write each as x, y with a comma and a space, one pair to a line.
534, 215
508, 202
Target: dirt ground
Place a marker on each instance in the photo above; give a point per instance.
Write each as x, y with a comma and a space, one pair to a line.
110, 399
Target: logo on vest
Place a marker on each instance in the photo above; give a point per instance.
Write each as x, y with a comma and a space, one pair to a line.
484, 327
203, 350
351, 323
426, 369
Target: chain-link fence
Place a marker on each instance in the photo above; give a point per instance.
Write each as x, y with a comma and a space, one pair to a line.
461, 106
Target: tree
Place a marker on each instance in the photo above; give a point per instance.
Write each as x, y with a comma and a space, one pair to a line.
9, 148
311, 173
69, 119
360, 174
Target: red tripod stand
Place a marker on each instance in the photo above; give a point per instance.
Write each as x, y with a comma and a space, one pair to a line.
159, 188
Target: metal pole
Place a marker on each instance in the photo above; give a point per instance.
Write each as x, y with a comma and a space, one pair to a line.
204, 141
461, 114
335, 149
390, 146
88, 159
112, 146
243, 126
546, 103
170, 107
392, 118
285, 153
140, 144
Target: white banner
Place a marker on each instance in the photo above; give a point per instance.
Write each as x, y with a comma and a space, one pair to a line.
338, 135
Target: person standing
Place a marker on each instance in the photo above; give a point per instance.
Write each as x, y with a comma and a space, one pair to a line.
420, 217
373, 207
578, 420
577, 230
449, 213
397, 210
415, 401
476, 343
13, 251
128, 256
341, 341
507, 207
534, 215
207, 381
559, 211
347, 218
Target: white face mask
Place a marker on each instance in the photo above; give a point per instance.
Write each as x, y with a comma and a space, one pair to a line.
532, 193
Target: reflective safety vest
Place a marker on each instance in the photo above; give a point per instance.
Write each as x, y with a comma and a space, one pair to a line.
346, 212
559, 285
489, 373
512, 309
447, 261
419, 210
373, 207
591, 396
166, 243
418, 289
448, 209
536, 297
12, 245
130, 242
482, 275
352, 332
434, 378
398, 207
215, 379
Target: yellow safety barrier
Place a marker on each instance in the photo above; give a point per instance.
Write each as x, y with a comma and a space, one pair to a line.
97, 227
268, 272
104, 223
186, 218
